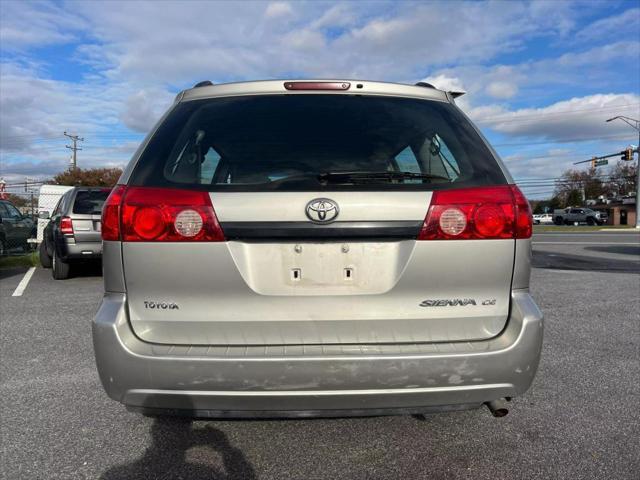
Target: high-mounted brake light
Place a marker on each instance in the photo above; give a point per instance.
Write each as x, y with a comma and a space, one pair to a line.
477, 214
147, 214
317, 85
66, 226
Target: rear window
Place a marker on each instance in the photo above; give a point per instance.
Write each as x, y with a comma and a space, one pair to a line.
291, 142
89, 202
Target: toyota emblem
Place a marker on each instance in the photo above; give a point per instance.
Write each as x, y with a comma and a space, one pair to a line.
322, 210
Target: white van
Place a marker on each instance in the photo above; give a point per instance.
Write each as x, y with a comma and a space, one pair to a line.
47, 200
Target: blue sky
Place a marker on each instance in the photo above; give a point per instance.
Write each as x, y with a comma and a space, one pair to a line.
541, 77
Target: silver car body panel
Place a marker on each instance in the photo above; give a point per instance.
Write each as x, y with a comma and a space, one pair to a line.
255, 300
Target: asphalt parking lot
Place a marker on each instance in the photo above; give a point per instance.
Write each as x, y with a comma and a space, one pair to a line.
580, 419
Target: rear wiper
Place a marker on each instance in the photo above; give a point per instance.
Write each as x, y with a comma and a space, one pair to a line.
360, 176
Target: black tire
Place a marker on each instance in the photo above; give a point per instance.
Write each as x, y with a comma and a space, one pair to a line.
3, 247
558, 221
61, 269
45, 258
590, 221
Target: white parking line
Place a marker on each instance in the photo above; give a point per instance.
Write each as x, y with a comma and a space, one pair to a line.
23, 283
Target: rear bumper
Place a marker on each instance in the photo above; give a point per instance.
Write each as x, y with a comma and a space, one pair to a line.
79, 250
274, 381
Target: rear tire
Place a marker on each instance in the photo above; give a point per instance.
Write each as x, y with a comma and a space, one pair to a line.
590, 221
60, 269
558, 221
45, 258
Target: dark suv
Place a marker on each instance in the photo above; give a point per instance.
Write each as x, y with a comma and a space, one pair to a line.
15, 228
73, 234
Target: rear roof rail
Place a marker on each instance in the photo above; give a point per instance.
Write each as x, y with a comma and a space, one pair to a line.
425, 84
204, 83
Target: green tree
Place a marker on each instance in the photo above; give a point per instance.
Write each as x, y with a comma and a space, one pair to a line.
90, 177
575, 186
573, 198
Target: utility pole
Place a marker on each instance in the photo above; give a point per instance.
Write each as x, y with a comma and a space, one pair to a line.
632, 122
75, 139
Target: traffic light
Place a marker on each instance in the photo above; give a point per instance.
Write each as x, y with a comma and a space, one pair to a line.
627, 154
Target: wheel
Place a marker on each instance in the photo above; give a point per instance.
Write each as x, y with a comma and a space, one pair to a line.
61, 269
590, 221
3, 247
45, 258
558, 221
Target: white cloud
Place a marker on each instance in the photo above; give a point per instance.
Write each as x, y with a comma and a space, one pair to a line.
278, 9
365, 39
143, 109
340, 15
31, 24
446, 83
502, 89
581, 117
627, 22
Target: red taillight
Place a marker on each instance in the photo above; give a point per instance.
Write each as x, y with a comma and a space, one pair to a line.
111, 214
66, 226
147, 214
477, 214
524, 220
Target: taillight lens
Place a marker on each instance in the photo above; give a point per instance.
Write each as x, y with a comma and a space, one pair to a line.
145, 214
477, 213
110, 225
524, 219
66, 226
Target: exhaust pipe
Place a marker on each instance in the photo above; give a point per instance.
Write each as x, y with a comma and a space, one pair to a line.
498, 407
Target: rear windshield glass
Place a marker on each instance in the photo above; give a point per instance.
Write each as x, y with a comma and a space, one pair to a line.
89, 202
311, 142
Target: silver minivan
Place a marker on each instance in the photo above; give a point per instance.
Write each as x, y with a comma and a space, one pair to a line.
298, 248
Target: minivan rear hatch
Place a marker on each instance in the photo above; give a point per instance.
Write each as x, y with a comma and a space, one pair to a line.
309, 218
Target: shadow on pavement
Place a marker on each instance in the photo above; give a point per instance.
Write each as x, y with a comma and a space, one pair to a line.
561, 261
167, 456
11, 272
88, 269
621, 249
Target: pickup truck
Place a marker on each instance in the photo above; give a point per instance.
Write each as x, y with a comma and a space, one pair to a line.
576, 216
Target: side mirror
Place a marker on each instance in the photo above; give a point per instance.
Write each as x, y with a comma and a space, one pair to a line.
44, 215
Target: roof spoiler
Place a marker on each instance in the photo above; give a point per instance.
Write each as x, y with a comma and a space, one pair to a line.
453, 93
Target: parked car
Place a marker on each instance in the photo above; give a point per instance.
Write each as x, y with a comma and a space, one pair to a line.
15, 228
48, 198
576, 216
73, 232
316, 248
542, 219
